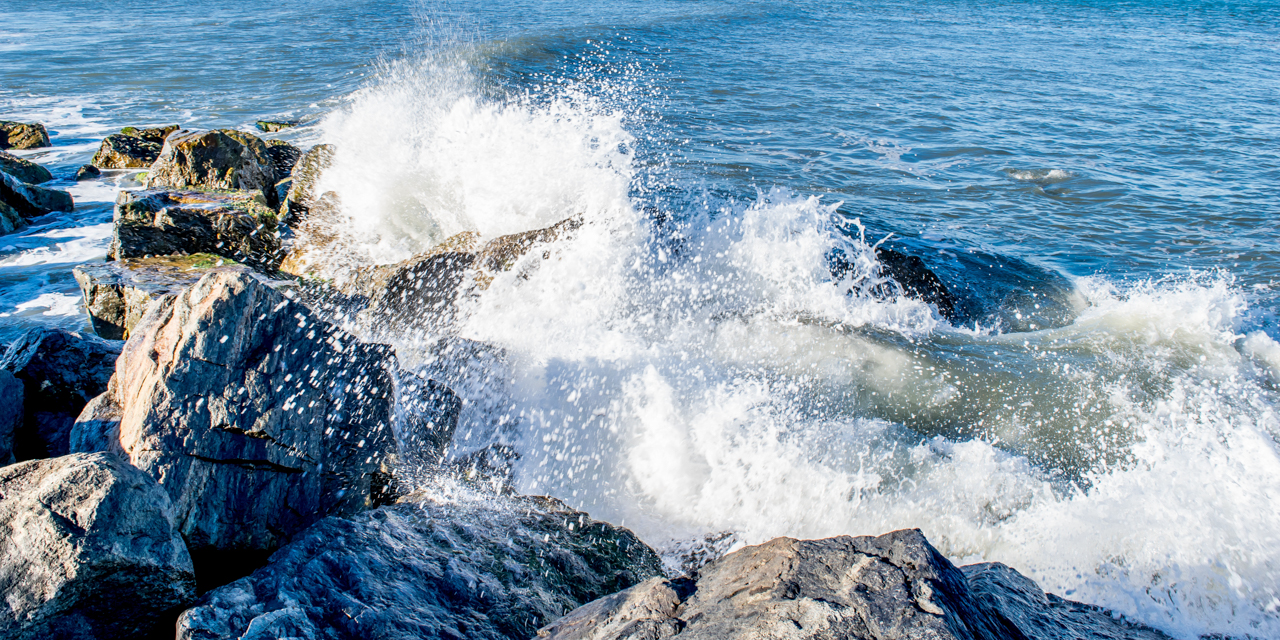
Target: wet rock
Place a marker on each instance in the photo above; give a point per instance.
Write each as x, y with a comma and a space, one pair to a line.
21, 135
257, 418
10, 219
219, 159
87, 172
154, 135
120, 151
31, 200
24, 170
60, 372
911, 276
429, 415
895, 586
306, 172
119, 292
88, 551
479, 569
271, 126
12, 394
283, 157
235, 224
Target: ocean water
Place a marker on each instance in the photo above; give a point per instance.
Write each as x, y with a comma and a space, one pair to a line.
1098, 182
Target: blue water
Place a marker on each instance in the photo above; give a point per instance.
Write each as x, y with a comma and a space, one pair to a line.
1098, 182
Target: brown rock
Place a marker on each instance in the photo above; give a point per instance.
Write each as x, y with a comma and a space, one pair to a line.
20, 135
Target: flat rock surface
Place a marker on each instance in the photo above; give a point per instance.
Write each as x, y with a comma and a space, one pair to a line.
234, 224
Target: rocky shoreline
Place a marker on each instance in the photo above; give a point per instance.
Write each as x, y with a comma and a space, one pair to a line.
230, 455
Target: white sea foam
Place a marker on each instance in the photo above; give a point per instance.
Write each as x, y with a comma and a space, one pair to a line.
48, 304
1040, 176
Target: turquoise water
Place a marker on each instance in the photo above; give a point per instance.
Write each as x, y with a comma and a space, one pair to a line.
1097, 182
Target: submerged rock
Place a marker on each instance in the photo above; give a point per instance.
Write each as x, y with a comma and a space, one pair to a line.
120, 151
24, 170
156, 135
271, 126
236, 225
88, 551
60, 372
31, 200
12, 394
496, 568
895, 586
257, 418
219, 159
21, 135
87, 172
119, 292
912, 277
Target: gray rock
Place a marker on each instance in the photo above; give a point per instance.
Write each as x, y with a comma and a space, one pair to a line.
480, 569
60, 372
120, 151
87, 172
24, 170
87, 551
271, 126
10, 219
30, 200
219, 159
895, 586
306, 172
97, 428
154, 135
21, 135
283, 157
119, 292
428, 415
256, 417
236, 225
12, 393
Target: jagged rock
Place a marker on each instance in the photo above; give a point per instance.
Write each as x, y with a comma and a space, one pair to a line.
912, 277
30, 200
154, 134
60, 372
219, 159
20, 135
481, 569
283, 157
12, 394
87, 551
120, 151
306, 172
24, 170
87, 172
118, 293
236, 225
10, 219
895, 586
271, 126
257, 418
429, 415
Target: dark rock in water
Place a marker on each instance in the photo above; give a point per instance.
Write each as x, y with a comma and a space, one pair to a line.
60, 371
87, 172
271, 126
912, 277
155, 135
895, 586
119, 151
24, 170
89, 551
12, 394
219, 159
256, 417
478, 569
306, 172
10, 219
429, 415
20, 135
119, 292
30, 200
283, 157
235, 225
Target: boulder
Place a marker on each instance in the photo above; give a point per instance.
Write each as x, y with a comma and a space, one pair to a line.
24, 170
87, 172
475, 568
219, 159
154, 135
10, 219
120, 151
909, 275
428, 412
88, 551
60, 372
306, 172
236, 225
283, 157
256, 417
271, 126
20, 135
30, 200
895, 586
12, 394
117, 293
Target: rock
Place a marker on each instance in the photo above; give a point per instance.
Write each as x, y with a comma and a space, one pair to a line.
219, 159
24, 170
283, 157
235, 225
60, 372
88, 551
257, 418
19, 135
306, 172
154, 135
271, 126
87, 172
97, 428
119, 151
10, 219
119, 292
912, 277
480, 569
30, 200
895, 586
12, 394
429, 415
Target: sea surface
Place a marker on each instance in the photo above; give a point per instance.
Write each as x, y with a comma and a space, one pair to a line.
1097, 182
